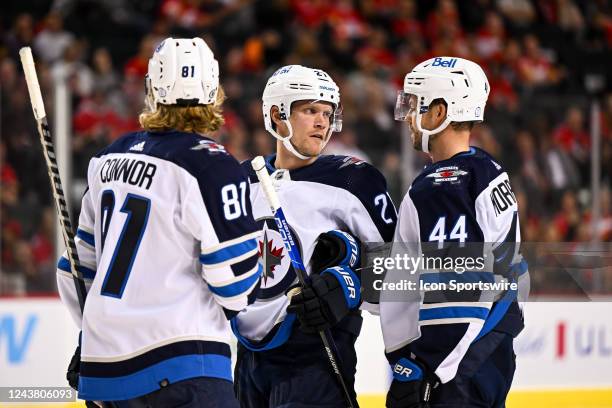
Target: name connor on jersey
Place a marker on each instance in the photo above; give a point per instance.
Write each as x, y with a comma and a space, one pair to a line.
132, 171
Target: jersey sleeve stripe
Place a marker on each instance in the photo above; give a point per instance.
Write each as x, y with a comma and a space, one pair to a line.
453, 312
224, 282
246, 266
86, 236
486, 305
237, 288
64, 265
450, 321
252, 235
226, 254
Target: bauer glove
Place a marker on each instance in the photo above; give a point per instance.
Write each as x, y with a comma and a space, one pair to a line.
411, 386
335, 248
326, 299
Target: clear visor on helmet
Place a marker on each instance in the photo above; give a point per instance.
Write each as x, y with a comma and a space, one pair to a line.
405, 105
336, 120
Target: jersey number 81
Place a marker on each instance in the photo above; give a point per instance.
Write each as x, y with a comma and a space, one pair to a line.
234, 205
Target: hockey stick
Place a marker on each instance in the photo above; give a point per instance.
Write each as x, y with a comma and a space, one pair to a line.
259, 165
27, 61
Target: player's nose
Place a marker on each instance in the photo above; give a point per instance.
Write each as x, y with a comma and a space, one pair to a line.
320, 121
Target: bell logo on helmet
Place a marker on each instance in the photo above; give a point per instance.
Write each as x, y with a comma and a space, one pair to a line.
441, 62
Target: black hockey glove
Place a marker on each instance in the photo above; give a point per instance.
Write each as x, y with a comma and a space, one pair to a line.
335, 248
411, 386
326, 299
72, 375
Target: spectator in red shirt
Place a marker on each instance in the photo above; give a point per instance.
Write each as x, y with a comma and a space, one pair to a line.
137, 65
445, 14
502, 96
346, 21
535, 67
491, 37
376, 49
310, 13
405, 22
572, 136
42, 242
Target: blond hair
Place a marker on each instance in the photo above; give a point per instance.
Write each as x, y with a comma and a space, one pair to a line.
201, 119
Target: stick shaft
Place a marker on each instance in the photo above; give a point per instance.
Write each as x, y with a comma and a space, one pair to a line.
46, 141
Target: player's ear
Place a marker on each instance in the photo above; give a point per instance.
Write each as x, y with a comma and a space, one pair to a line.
275, 114
278, 124
439, 113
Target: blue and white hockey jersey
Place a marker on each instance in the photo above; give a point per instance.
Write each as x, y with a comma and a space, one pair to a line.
168, 247
335, 192
464, 202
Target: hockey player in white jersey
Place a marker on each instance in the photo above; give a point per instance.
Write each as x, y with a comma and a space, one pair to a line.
168, 247
331, 204
453, 349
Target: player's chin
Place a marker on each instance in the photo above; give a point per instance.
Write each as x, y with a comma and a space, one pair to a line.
314, 146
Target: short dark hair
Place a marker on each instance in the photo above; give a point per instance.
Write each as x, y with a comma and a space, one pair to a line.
457, 126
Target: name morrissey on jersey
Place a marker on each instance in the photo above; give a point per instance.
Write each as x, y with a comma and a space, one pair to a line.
132, 171
502, 197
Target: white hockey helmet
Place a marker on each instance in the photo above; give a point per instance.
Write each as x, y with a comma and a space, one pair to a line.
293, 83
182, 72
461, 83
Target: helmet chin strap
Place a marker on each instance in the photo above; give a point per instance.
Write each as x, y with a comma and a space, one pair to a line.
287, 141
425, 133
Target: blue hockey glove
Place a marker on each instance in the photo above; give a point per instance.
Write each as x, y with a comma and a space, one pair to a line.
326, 299
411, 386
335, 248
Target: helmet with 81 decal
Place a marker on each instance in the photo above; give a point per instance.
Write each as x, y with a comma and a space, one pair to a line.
293, 83
460, 83
182, 72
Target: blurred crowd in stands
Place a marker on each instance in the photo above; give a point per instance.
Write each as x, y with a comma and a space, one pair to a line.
547, 61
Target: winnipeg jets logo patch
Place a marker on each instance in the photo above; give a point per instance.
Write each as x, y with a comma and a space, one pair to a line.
450, 174
271, 256
278, 274
211, 146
